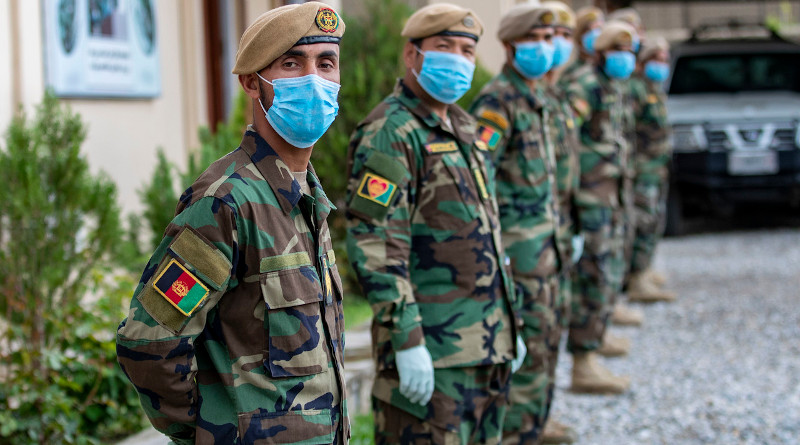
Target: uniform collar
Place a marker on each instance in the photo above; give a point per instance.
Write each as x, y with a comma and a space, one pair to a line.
518, 82
279, 176
461, 121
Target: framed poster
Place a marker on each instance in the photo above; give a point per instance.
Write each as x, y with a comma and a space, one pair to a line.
101, 48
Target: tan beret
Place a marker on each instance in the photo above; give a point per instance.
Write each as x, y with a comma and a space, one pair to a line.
443, 19
615, 33
584, 18
564, 15
627, 15
651, 46
522, 18
278, 30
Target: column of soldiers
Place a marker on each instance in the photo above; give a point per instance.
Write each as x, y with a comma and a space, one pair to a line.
479, 237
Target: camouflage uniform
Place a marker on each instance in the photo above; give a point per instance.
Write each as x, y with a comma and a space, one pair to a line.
650, 160
424, 240
253, 355
601, 105
512, 123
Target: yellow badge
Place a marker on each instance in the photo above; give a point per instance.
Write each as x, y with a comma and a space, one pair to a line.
570, 123
441, 147
481, 183
493, 117
377, 189
327, 20
652, 99
626, 39
547, 18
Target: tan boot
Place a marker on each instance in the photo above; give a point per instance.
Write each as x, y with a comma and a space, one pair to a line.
625, 315
656, 278
589, 376
643, 291
613, 346
557, 432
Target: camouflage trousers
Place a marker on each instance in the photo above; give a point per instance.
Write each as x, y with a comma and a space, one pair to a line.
598, 276
650, 200
468, 407
533, 385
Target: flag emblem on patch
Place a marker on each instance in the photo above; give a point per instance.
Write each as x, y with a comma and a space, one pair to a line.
489, 136
182, 289
376, 189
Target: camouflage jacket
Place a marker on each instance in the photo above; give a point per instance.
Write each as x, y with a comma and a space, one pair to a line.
424, 238
511, 121
564, 132
605, 115
235, 332
653, 152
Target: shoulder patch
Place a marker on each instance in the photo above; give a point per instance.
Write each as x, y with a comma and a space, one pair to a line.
652, 99
377, 189
488, 136
180, 287
494, 118
441, 147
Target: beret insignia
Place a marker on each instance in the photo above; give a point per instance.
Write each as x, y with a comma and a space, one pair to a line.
327, 20
468, 21
547, 18
626, 39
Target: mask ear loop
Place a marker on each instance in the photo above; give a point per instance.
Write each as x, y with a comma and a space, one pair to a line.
259, 93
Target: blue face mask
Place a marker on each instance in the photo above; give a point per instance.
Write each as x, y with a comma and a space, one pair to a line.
620, 64
588, 39
445, 76
303, 108
656, 71
563, 51
533, 59
636, 44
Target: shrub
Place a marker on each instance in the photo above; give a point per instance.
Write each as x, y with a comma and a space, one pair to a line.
58, 226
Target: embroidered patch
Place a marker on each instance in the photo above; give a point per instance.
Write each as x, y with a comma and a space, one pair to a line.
581, 107
496, 118
547, 18
481, 183
441, 147
489, 136
570, 123
327, 20
652, 99
181, 289
376, 189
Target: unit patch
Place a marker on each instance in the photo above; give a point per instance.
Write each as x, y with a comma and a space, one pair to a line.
376, 189
652, 99
488, 136
327, 20
441, 147
180, 287
495, 118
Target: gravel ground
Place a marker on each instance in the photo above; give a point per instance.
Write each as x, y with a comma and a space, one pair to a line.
719, 366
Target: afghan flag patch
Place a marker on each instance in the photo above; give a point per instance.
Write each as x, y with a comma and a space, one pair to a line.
376, 189
488, 136
182, 289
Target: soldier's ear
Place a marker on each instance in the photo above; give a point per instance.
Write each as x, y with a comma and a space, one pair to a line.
410, 55
249, 83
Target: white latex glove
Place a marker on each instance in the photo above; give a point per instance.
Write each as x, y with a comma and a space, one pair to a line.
522, 350
416, 374
577, 247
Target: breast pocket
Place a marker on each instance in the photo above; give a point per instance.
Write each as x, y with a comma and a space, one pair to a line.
293, 319
449, 197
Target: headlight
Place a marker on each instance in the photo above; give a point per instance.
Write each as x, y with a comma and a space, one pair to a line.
688, 138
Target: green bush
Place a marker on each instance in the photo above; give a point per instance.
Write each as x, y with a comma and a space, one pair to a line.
58, 227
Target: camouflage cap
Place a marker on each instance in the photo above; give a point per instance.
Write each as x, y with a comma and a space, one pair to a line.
651, 46
615, 33
278, 30
522, 18
443, 19
565, 17
584, 18
627, 15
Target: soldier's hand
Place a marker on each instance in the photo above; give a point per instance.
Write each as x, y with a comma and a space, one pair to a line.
577, 247
522, 350
415, 367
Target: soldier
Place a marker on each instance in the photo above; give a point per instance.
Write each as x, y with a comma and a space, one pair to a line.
599, 101
588, 23
235, 332
424, 240
513, 114
651, 159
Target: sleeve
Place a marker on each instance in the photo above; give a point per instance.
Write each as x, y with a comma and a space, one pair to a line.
579, 100
494, 124
185, 278
381, 195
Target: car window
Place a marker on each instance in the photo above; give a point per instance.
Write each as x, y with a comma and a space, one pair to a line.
732, 73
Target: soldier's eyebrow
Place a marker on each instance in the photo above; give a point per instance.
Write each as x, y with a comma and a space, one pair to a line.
329, 53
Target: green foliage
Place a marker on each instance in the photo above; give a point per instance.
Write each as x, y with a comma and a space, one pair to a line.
58, 227
362, 430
